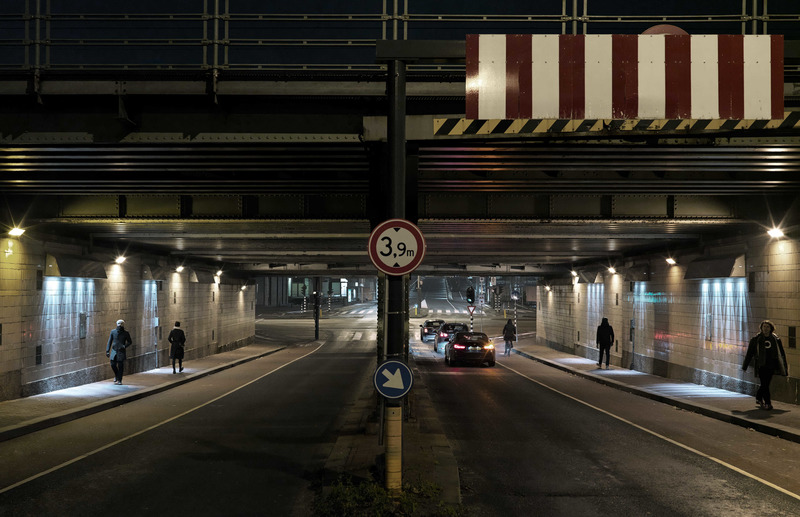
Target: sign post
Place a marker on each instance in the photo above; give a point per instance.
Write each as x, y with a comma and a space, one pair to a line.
395, 247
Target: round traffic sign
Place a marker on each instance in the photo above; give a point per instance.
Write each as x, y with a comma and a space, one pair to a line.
393, 379
396, 247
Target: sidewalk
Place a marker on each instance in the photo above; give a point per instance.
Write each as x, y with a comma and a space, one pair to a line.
736, 408
26, 415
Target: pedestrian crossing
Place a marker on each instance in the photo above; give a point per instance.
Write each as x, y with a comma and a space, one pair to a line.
445, 312
432, 313
355, 335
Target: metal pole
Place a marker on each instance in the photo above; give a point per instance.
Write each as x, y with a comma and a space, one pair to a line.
317, 307
397, 313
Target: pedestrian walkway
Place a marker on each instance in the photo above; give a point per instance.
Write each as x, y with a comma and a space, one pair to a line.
26, 415
733, 407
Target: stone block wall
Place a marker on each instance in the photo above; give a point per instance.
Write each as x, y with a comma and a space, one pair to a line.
695, 330
54, 329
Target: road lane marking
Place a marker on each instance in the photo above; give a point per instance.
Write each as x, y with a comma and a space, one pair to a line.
657, 435
148, 429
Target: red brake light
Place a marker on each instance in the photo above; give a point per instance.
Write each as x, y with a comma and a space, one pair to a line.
460, 347
443, 334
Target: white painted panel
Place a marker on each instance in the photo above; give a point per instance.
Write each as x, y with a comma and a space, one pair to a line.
598, 91
492, 76
757, 77
544, 80
705, 77
652, 76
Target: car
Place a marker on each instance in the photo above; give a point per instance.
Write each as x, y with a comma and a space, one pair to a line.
446, 333
429, 330
472, 347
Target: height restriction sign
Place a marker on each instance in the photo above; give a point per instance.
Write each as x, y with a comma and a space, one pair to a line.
396, 247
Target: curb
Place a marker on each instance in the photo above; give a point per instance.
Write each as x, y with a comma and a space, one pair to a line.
773, 430
38, 424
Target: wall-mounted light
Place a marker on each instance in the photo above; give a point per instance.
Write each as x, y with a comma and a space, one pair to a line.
16, 232
120, 259
671, 261
574, 273
179, 269
547, 288
219, 273
612, 270
775, 233
244, 287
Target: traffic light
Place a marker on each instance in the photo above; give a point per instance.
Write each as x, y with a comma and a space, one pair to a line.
470, 295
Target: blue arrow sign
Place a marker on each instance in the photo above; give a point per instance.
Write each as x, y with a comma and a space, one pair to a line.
393, 379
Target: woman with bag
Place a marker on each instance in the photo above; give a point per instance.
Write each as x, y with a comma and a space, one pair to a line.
770, 359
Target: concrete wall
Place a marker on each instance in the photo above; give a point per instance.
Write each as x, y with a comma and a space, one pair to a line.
43, 347
694, 330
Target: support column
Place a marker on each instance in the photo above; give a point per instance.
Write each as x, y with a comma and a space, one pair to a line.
396, 316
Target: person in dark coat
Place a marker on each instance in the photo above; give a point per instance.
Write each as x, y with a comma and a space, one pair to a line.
177, 341
118, 341
509, 335
770, 358
605, 338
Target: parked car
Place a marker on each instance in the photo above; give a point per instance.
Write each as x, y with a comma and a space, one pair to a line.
429, 330
446, 333
472, 347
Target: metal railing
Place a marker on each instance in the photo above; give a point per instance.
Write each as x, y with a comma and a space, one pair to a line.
53, 35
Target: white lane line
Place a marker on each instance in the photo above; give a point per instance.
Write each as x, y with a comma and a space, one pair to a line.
661, 436
154, 426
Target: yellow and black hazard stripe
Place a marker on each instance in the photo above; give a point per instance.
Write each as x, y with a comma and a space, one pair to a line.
466, 127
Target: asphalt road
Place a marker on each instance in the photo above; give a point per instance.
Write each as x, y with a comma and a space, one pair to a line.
246, 441
531, 440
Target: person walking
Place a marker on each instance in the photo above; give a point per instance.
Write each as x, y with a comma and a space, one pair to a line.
770, 358
509, 335
177, 341
604, 338
118, 341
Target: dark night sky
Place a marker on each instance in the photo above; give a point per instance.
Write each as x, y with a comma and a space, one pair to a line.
67, 54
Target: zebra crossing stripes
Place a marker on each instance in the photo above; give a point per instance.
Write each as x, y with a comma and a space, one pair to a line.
455, 311
432, 312
360, 312
351, 335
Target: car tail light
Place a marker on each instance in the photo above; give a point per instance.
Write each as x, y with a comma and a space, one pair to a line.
488, 346
443, 334
459, 347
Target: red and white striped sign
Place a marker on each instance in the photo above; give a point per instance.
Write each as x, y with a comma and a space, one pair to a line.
648, 76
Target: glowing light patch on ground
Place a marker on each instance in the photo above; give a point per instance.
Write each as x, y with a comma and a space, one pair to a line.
577, 360
694, 390
621, 373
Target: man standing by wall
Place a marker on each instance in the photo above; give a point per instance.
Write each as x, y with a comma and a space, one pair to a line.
118, 341
177, 341
605, 338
